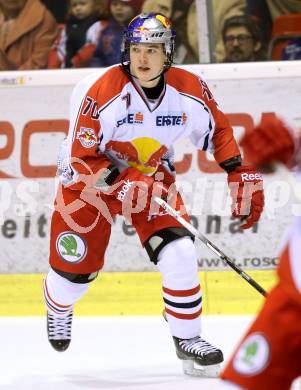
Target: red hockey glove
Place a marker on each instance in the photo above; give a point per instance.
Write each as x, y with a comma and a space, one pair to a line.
131, 187
246, 190
270, 142
135, 190
165, 176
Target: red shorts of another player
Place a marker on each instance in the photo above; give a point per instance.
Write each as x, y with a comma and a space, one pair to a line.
80, 232
269, 356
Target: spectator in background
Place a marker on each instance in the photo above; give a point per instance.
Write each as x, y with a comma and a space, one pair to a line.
164, 7
266, 11
103, 9
107, 52
223, 10
58, 8
242, 40
184, 53
27, 31
177, 11
259, 11
77, 41
281, 7
192, 31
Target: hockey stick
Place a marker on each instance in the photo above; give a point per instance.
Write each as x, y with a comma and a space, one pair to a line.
209, 244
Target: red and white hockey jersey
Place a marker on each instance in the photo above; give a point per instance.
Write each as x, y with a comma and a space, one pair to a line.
111, 120
289, 269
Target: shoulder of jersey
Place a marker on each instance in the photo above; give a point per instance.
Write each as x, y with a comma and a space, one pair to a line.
184, 82
108, 86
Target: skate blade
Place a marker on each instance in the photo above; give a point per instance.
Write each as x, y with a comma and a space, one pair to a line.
192, 369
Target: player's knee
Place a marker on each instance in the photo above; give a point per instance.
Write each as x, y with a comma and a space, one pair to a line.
158, 241
75, 277
178, 259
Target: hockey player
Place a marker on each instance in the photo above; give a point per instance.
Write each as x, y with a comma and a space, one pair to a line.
268, 357
119, 150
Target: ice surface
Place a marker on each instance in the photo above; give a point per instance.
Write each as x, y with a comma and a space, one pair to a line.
118, 353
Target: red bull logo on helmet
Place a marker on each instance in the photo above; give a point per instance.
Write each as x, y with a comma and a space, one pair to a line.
166, 22
142, 153
142, 28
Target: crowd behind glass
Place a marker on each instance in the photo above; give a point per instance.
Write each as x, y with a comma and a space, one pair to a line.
41, 34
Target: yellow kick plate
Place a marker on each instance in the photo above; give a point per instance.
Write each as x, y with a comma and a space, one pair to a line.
136, 293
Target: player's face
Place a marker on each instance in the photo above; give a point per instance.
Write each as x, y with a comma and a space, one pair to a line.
121, 12
147, 62
82, 9
240, 45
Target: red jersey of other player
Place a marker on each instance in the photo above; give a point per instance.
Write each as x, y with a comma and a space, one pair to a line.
268, 357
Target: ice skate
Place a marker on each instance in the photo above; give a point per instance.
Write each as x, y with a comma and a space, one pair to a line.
59, 331
199, 357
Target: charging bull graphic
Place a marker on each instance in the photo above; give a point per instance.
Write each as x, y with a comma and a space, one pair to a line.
86, 137
142, 153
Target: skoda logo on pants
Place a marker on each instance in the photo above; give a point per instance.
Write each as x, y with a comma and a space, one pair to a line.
253, 355
71, 247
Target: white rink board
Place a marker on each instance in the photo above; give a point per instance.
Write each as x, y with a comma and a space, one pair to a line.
244, 92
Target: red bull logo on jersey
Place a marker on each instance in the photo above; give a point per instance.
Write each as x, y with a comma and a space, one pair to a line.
86, 137
136, 118
142, 153
171, 120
